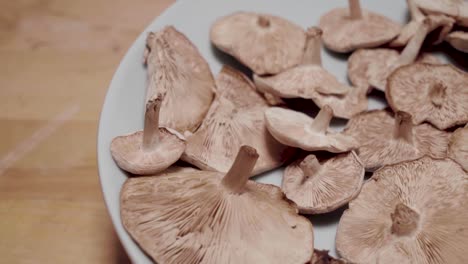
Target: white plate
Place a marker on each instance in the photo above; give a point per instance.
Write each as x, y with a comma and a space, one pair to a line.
123, 107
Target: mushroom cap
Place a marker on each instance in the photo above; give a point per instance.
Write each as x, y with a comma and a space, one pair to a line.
458, 40
319, 188
458, 147
265, 43
303, 81
370, 64
130, 156
457, 9
341, 33
437, 94
176, 68
295, 129
411, 212
196, 217
234, 119
378, 145
344, 106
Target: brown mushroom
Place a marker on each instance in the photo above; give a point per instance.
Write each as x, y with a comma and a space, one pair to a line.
322, 257
411, 212
347, 29
299, 130
457, 9
306, 80
458, 147
344, 106
235, 118
265, 43
321, 187
458, 40
417, 18
175, 67
371, 67
213, 217
437, 94
384, 139
149, 151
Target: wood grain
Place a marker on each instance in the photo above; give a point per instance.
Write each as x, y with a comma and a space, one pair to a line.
58, 57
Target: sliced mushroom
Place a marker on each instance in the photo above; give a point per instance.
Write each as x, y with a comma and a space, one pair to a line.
371, 68
306, 80
411, 212
265, 43
347, 29
321, 187
322, 257
417, 18
176, 68
235, 118
457, 9
437, 94
149, 151
212, 217
384, 139
458, 147
458, 40
299, 130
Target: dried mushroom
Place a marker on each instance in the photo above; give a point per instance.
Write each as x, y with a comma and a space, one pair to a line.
458, 147
348, 29
306, 80
384, 139
234, 119
411, 212
437, 94
299, 130
265, 43
417, 18
457, 9
176, 68
371, 67
322, 257
321, 187
458, 40
213, 217
149, 151
344, 106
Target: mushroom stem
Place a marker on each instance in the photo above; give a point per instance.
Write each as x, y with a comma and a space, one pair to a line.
309, 166
241, 169
437, 94
263, 21
404, 220
403, 126
313, 48
322, 120
411, 51
416, 14
355, 9
151, 127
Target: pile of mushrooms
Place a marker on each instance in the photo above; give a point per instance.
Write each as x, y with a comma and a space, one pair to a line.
188, 197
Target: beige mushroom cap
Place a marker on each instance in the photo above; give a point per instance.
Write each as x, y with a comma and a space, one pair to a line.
176, 67
299, 130
347, 29
149, 151
367, 64
235, 118
212, 217
384, 139
457, 9
411, 212
437, 94
344, 106
458, 40
265, 43
321, 187
458, 147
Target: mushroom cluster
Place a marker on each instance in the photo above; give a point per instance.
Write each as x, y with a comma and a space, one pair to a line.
188, 197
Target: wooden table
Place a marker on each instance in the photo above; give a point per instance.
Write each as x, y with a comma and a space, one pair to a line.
57, 59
